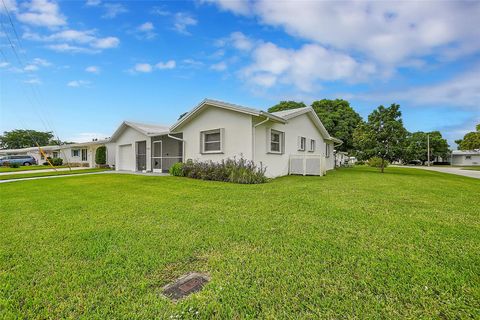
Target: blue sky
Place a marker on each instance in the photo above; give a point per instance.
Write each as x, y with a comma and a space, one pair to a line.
85, 66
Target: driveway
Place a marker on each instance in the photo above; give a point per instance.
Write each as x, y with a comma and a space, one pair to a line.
451, 170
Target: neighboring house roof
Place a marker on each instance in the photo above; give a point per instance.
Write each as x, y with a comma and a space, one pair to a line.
224, 105
84, 144
292, 113
144, 128
465, 152
12, 151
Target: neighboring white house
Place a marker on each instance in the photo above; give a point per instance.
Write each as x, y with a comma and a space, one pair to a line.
466, 157
341, 158
83, 154
137, 147
50, 151
292, 141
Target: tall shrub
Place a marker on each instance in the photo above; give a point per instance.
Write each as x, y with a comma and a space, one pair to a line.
101, 155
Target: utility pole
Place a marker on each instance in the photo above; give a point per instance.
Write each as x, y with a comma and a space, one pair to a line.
428, 150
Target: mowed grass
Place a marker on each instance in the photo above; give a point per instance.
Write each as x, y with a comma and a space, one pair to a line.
352, 244
47, 174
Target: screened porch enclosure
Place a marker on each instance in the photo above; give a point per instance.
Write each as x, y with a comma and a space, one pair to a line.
166, 151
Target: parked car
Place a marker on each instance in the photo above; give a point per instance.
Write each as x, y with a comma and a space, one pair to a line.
21, 160
415, 162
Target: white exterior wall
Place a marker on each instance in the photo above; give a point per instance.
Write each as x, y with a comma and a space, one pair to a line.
111, 149
128, 137
278, 164
66, 155
461, 160
237, 134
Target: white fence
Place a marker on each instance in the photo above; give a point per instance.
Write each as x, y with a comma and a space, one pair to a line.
307, 164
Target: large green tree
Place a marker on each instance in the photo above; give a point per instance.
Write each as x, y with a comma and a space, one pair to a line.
337, 116
383, 135
339, 119
17, 139
470, 141
286, 105
416, 146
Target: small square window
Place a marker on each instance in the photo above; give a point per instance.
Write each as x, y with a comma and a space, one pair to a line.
276, 141
212, 141
468, 157
75, 152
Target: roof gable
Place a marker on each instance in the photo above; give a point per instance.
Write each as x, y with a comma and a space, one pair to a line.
224, 105
143, 128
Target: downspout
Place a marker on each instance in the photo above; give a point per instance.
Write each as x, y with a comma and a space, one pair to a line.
183, 145
253, 136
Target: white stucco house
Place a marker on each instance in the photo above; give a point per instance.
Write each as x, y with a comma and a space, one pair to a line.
287, 142
466, 158
83, 154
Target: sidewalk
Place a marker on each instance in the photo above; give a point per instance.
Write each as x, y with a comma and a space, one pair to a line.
451, 170
41, 170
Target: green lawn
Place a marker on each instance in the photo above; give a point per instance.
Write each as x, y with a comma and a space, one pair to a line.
353, 244
45, 174
28, 168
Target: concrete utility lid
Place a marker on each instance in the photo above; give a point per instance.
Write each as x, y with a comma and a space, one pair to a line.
185, 285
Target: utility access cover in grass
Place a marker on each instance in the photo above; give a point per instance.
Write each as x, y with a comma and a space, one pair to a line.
185, 285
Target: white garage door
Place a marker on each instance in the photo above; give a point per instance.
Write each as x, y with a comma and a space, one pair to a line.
126, 158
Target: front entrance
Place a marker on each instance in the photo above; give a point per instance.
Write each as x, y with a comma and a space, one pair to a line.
157, 156
141, 155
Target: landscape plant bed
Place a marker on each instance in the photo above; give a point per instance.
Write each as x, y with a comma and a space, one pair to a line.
46, 174
352, 244
28, 168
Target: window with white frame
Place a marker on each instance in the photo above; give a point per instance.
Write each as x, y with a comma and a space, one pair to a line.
468, 157
75, 152
327, 150
211, 141
312, 146
276, 141
302, 142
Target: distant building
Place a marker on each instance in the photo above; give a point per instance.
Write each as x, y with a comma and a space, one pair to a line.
466, 157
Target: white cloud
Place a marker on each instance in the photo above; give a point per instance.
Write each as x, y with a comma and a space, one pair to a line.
41, 62
9, 5
85, 37
106, 43
113, 9
303, 67
160, 11
93, 3
221, 66
183, 21
42, 13
170, 64
193, 63
145, 31
388, 33
143, 67
78, 83
241, 42
236, 6
462, 90
33, 81
30, 67
4, 64
65, 47
92, 69
147, 26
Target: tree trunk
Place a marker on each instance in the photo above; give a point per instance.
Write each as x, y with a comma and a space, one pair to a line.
383, 165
